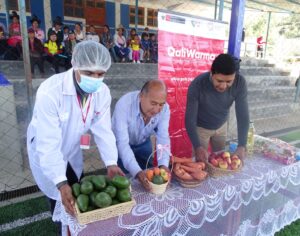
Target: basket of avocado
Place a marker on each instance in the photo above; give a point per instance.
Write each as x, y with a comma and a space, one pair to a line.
100, 198
158, 179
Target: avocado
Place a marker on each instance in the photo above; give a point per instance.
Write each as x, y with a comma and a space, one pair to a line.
108, 181
76, 189
111, 190
120, 182
157, 179
92, 198
99, 182
83, 202
102, 200
90, 208
86, 187
115, 202
124, 195
87, 178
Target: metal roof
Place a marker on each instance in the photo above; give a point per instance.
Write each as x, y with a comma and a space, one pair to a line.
284, 6
288, 6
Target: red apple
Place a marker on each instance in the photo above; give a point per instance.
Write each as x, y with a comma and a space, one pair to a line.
213, 155
234, 165
223, 165
219, 159
237, 161
226, 155
214, 162
234, 157
228, 159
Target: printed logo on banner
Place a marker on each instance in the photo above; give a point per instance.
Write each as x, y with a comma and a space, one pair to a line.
184, 54
175, 19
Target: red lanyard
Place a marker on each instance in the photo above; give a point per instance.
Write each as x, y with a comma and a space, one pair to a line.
81, 108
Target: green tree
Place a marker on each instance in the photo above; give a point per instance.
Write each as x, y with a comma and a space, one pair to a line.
290, 26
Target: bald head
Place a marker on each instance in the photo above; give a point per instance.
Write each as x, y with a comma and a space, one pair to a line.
154, 85
152, 98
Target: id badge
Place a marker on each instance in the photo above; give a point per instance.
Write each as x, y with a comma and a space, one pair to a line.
85, 141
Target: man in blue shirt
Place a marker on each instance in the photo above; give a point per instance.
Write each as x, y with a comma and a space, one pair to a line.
136, 117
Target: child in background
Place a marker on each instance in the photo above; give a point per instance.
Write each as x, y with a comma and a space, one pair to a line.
135, 46
66, 32
146, 46
153, 48
53, 49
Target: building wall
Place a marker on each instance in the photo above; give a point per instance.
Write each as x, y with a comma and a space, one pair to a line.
110, 9
37, 8
117, 12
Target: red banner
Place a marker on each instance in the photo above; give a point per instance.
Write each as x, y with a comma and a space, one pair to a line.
182, 57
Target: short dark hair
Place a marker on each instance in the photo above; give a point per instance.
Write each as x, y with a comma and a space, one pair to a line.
107, 26
224, 64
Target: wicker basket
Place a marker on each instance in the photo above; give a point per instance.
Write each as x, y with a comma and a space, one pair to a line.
216, 171
103, 213
158, 188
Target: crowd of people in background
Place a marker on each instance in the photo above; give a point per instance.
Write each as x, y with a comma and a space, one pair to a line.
61, 39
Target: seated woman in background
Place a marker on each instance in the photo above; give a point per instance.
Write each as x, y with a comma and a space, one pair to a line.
78, 32
36, 50
39, 33
69, 47
153, 48
3, 42
107, 40
15, 39
53, 49
120, 44
92, 34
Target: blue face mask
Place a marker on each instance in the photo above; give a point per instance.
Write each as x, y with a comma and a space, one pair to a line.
90, 84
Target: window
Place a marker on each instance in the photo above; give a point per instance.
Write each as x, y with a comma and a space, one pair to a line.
152, 17
13, 5
141, 13
73, 8
95, 3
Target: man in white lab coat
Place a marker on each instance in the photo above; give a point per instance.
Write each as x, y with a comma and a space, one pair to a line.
68, 105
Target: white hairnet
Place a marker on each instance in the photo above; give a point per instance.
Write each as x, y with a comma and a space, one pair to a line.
90, 55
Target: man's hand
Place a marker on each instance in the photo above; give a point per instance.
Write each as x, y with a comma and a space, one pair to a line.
67, 199
114, 170
201, 154
240, 152
143, 180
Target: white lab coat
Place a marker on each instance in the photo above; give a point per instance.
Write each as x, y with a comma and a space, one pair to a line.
53, 135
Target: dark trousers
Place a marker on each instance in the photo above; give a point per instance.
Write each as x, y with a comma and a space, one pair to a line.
72, 179
141, 153
68, 64
54, 60
39, 62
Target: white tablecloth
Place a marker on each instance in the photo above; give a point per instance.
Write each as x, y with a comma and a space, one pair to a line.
259, 200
